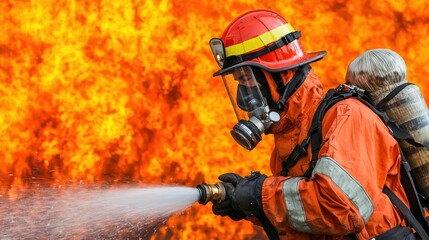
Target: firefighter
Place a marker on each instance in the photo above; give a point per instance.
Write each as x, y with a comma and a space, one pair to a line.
274, 90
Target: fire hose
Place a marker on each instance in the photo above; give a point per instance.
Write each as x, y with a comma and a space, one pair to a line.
216, 193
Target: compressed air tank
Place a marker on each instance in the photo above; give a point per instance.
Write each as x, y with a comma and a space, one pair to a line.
379, 72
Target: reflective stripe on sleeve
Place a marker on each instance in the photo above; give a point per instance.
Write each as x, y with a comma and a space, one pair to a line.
295, 209
348, 184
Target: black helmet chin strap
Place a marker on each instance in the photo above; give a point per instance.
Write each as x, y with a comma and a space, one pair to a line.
287, 90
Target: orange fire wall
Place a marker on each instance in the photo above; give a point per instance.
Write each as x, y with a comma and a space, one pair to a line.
116, 91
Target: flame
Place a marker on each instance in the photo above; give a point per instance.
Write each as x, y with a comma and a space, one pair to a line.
112, 91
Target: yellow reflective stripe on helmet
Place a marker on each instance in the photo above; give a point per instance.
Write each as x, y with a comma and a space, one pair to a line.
259, 41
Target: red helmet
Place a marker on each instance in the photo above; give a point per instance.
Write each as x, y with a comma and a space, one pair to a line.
261, 38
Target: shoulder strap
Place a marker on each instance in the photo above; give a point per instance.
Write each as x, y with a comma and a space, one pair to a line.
293, 158
391, 95
314, 134
398, 131
415, 215
332, 97
406, 213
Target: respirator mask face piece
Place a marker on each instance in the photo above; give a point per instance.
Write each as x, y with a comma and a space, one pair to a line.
250, 106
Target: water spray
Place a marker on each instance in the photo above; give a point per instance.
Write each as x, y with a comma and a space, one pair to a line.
92, 212
211, 193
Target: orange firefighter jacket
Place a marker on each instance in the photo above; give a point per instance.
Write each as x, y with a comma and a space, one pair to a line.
344, 195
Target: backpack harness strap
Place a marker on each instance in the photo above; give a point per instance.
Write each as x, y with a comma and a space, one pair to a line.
415, 217
391, 95
314, 135
401, 134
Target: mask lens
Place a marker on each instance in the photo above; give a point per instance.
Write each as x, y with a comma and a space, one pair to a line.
246, 100
244, 92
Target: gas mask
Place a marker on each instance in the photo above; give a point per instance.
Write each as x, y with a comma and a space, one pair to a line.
252, 101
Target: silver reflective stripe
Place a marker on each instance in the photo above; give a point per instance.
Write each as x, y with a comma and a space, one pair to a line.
348, 184
295, 209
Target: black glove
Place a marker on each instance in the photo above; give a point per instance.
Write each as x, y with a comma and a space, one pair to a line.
243, 196
225, 208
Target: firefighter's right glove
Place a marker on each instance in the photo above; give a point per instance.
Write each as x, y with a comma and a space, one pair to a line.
244, 195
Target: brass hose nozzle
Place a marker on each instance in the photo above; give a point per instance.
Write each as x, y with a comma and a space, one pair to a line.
211, 193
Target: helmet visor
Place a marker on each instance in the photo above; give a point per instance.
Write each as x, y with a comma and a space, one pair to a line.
244, 93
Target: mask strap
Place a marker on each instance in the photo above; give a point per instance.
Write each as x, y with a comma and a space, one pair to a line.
296, 81
264, 88
277, 77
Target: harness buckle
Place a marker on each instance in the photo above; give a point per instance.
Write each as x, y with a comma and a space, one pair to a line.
349, 88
